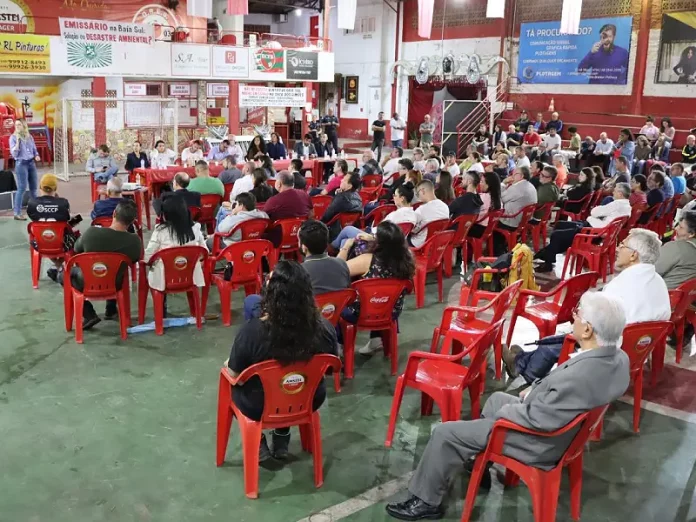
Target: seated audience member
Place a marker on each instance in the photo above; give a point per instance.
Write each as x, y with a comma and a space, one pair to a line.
406, 172
102, 166
175, 230
540, 124
328, 274
289, 202
621, 174
599, 177
639, 189
667, 187
137, 159
219, 153
541, 154
470, 202
689, 150
370, 165
451, 164
388, 257
667, 130
276, 149
531, 138
547, 191
514, 138
391, 164
419, 159
235, 150
443, 187
431, 210
180, 185
677, 177
305, 148
561, 170
246, 182
296, 170
262, 191
191, 155
521, 159
498, 136
106, 207
603, 150
489, 191
581, 189
554, 123
476, 164
575, 141
115, 238
324, 147
625, 147
231, 173
517, 193
501, 166
598, 375
655, 196
340, 170
552, 140
497, 151
642, 154
677, 262
650, 130
481, 139
660, 151
162, 157
256, 148
244, 209
432, 170
204, 183
587, 149
562, 237
523, 121
347, 199
434, 152
638, 287
283, 325
267, 166
403, 196
536, 168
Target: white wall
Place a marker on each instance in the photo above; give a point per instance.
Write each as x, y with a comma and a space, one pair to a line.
83, 119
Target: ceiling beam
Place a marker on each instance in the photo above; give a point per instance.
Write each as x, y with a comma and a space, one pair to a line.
288, 6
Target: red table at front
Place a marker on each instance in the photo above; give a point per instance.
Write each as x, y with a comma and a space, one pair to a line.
155, 179
142, 200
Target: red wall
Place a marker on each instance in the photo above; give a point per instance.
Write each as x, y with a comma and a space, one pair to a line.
354, 129
456, 13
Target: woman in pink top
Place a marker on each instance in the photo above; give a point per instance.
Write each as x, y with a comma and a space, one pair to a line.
340, 170
490, 196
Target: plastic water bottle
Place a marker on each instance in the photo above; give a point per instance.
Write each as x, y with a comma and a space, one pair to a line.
142, 163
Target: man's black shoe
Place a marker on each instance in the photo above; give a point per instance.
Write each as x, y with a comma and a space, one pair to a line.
280, 445
509, 356
415, 509
91, 322
264, 451
111, 315
52, 274
485, 478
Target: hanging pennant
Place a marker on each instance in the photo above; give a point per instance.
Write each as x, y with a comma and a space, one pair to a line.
347, 10
237, 7
570, 17
425, 17
202, 8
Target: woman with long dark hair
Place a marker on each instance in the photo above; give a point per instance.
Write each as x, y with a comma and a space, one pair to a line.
582, 188
289, 329
686, 68
267, 165
626, 147
262, 190
176, 229
490, 197
257, 146
388, 257
639, 190
598, 177
443, 188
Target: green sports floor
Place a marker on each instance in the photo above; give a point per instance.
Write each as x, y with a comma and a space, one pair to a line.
125, 430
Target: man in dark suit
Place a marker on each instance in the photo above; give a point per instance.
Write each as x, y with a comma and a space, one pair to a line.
596, 376
180, 184
305, 148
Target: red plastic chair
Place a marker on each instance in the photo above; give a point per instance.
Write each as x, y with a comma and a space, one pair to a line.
441, 378
368, 195
105, 222
632, 223
687, 294
548, 314
245, 257
289, 244
461, 226
345, 219
320, 204
512, 237
469, 324
179, 264
99, 272
372, 180
669, 212
377, 300
540, 228
598, 256
544, 486
406, 228
432, 228
194, 211
209, 205
250, 229
331, 304
584, 203
48, 237
651, 217
228, 191
487, 235
6, 154
377, 215
429, 258
288, 395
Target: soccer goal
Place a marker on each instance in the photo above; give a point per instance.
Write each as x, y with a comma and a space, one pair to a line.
127, 120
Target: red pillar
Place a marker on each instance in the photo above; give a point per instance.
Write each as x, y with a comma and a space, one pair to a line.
99, 91
636, 105
305, 112
233, 102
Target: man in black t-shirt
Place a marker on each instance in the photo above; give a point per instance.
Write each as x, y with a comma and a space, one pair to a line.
378, 135
331, 124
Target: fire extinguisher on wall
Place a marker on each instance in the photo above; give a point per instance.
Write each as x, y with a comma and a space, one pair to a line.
551, 107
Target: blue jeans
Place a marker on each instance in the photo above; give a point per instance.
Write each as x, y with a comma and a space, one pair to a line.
538, 363
397, 143
25, 171
252, 307
103, 177
370, 207
346, 234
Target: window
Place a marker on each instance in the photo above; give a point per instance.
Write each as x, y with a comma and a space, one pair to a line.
364, 26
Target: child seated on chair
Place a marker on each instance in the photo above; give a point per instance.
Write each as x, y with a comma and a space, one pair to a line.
102, 165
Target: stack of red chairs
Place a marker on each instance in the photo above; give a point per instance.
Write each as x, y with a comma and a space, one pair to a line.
596, 247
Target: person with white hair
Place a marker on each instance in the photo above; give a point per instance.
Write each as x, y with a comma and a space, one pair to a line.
561, 170
432, 169
596, 376
106, 207
603, 150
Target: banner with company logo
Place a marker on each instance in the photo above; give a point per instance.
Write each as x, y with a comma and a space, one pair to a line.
269, 63
104, 31
26, 53
302, 65
256, 96
190, 60
676, 61
230, 62
597, 55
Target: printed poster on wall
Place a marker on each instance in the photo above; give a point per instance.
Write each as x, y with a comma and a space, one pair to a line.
597, 55
190, 60
256, 96
25, 53
302, 65
230, 62
676, 62
103, 31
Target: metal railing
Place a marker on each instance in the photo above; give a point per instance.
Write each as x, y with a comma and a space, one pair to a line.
484, 113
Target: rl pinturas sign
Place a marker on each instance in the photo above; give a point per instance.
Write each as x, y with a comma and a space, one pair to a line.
103, 31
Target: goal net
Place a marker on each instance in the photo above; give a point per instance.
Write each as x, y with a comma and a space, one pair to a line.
126, 120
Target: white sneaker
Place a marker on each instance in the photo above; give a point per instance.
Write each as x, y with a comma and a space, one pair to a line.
372, 346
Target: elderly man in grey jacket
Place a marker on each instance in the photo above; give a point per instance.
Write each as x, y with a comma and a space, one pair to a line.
597, 375
518, 192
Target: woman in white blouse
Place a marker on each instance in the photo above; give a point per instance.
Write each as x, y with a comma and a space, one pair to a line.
161, 156
176, 230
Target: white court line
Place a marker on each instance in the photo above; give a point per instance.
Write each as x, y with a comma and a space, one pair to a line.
362, 501
663, 410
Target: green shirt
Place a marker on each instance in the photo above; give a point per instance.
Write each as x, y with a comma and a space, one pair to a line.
207, 185
98, 239
575, 142
546, 193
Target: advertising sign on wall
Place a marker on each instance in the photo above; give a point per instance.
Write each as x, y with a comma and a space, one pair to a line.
255, 96
190, 60
230, 62
352, 84
103, 31
134, 89
302, 65
676, 61
25, 53
269, 60
218, 90
597, 55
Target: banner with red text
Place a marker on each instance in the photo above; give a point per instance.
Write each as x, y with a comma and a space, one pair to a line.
84, 32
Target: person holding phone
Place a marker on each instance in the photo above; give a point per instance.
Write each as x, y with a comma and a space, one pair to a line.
25, 154
102, 165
